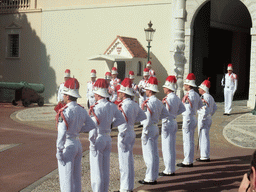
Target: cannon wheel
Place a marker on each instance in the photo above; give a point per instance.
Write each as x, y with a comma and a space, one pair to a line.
25, 103
40, 102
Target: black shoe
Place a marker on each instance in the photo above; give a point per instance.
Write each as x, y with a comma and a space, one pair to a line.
184, 165
203, 160
147, 183
119, 191
164, 174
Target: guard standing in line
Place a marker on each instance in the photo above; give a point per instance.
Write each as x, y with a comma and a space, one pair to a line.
126, 136
71, 120
141, 86
108, 77
90, 94
134, 86
151, 71
60, 99
192, 103
229, 81
155, 110
205, 120
175, 107
103, 114
113, 83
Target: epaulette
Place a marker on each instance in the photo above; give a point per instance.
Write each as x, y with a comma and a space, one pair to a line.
60, 117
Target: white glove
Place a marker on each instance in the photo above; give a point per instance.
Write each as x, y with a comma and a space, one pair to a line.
93, 136
93, 150
144, 138
60, 157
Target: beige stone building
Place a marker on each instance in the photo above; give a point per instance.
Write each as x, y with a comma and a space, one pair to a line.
42, 38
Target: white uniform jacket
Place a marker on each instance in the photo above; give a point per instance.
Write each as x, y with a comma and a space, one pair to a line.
112, 89
174, 106
132, 113
105, 114
230, 82
115, 82
154, 112
76, 120
192, 103
142, 91
208, 109
60, 95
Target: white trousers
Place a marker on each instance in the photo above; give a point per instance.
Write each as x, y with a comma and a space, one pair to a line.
188, 131
228, 98
100, 163
204, 138
126, 161
70, 173
169, 129
150, 153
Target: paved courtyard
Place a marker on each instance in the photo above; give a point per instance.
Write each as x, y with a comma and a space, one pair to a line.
232, 142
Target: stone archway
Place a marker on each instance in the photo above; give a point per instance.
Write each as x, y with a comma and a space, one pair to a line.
221, 35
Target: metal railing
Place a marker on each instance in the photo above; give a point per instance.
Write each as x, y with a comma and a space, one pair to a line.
16, 4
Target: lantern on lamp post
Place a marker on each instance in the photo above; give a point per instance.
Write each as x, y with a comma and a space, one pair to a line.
149, 36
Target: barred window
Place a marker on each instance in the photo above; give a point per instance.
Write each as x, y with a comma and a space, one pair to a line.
13, 45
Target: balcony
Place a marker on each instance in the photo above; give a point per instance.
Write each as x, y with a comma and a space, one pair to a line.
12, 6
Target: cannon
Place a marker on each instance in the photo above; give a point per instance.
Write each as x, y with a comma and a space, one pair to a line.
26, 92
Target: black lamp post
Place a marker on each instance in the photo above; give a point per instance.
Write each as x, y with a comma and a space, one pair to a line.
149, 36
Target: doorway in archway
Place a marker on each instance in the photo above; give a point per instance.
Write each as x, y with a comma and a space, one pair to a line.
222, 36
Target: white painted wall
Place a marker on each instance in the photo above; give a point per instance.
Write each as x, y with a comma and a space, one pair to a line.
71, 36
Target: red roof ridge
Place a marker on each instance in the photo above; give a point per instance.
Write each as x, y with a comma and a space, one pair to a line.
133, 46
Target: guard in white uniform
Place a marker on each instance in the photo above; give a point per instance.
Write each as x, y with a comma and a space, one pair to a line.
60, 99
151, 71
229, 81
90, 94
103, 114
205, 120
71, 120
175, 107
155, 110
126, 137
142, 84
192, 103
134, 86
113, 83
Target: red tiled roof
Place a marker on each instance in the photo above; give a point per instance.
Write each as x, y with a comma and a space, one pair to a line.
133, 46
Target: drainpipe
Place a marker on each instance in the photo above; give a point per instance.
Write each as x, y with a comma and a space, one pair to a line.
179, 44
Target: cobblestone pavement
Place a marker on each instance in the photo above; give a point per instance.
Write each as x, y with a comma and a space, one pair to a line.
228, 133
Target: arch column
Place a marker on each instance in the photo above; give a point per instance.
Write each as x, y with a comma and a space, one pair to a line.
179, 44
252, 87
